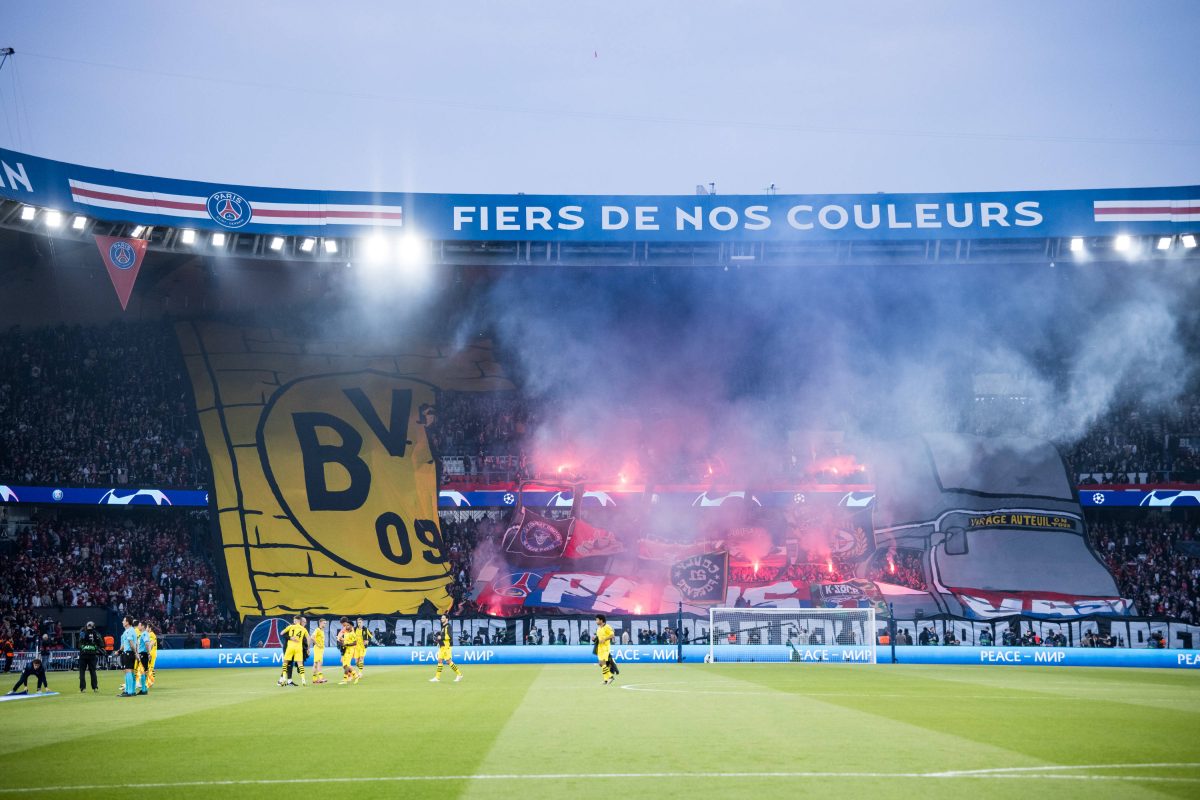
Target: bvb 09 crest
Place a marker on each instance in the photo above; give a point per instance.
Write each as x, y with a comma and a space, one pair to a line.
352, 471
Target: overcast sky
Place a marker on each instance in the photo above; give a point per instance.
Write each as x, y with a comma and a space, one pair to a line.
612, 97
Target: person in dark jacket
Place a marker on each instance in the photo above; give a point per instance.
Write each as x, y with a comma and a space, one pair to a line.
91, 645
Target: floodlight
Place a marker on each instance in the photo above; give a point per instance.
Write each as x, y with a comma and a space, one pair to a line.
79, 222
28, 213
331, 246
52, 218
1077, 245
218, 239
1188, 240
374, 248
187, 236
411, 249
1122, 243
307, 245
137, 231
277, 243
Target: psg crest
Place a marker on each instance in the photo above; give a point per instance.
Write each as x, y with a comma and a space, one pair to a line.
540, 538
229, 209
122, 255
701, 578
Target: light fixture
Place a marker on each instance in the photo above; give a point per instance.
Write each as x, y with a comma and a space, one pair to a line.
79, 222
137, 231
277, 243
218, 239
28, 213
1164, 243
187, 236
374, 248
1188, 240
1122, 243
1077, 245
307, 245
331, 246
52, 218
411, 248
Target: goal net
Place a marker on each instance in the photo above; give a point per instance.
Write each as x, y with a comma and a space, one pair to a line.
839, 635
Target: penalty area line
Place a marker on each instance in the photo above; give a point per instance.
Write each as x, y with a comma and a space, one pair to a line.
1023, 773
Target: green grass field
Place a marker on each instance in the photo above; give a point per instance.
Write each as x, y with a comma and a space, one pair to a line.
726, 731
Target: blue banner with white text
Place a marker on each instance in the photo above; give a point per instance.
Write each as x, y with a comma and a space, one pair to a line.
125, 197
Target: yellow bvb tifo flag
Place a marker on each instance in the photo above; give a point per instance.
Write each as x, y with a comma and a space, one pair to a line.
326, 489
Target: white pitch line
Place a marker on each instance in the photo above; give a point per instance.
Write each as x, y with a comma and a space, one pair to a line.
683, 689
1022, 773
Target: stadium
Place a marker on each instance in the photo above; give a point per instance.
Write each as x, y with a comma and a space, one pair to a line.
595, 495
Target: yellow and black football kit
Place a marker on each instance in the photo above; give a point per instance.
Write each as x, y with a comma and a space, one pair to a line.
360, 651
604, 637
318, 651
295, 637
153, 656
349, 642
445, 639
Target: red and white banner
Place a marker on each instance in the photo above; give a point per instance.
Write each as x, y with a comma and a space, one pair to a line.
123, 260
1147, 210
231, 210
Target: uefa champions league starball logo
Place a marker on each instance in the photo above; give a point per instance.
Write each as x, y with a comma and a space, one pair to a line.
229, 209
122, 255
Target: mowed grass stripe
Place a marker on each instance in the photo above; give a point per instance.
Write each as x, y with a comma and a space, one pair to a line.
597, 728
554, 731
1153, 688
1056, 730
393, 722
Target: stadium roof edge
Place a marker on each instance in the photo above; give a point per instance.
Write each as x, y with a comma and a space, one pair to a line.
709, 228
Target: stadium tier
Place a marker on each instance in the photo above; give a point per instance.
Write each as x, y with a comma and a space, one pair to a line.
544, 408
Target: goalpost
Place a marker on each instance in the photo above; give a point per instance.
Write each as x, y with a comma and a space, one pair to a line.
839, 635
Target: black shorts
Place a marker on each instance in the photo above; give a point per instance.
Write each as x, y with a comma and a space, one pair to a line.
127, 660
144, 658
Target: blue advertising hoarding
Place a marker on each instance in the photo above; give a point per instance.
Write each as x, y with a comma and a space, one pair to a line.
126, 197
659, 654
507, 497
102, 496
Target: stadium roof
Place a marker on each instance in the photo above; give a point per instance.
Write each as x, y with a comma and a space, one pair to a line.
71, 201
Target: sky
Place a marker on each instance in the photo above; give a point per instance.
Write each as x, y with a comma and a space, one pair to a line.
612, 97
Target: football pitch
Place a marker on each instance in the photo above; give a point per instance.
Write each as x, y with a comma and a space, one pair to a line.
727, 731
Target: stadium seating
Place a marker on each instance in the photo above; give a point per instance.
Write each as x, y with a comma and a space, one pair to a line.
151, 564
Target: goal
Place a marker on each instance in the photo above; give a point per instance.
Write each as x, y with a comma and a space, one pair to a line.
839, 635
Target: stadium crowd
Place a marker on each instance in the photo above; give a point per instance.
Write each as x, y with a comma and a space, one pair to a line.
1155, 561
107, 406
1140, 444
150, 564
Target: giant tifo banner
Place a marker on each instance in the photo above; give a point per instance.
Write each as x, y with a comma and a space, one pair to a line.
995, 526
126, 197
326, 489
671, 549
962, 526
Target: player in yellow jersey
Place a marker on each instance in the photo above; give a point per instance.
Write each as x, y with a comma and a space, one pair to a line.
603, 639
443, 654
360, 651
295, 636
348, 641
318, 650
153, 655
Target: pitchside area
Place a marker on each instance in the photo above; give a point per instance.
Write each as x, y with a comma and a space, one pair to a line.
753, 730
